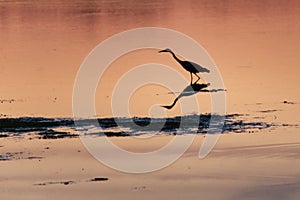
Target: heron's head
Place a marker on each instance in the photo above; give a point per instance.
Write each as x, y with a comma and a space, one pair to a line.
166, 50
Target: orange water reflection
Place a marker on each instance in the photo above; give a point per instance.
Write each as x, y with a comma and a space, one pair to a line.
255, 45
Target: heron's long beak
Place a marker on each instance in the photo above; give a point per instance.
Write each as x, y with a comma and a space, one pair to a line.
162, 51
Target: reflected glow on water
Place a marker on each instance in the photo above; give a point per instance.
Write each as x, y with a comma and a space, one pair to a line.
42, 44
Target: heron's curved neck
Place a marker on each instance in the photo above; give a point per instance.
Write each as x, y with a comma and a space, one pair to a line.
173, 104
175, 57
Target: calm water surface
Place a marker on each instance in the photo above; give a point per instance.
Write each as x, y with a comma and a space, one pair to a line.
42, 44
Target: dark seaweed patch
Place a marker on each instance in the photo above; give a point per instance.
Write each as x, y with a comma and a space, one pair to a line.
188, 124
52, 134
55, 183
98, 179
3, 135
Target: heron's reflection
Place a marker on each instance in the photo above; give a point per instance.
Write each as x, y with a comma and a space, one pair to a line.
191, 90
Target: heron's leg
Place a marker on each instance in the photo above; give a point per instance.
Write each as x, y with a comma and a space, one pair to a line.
197, 79
191, 78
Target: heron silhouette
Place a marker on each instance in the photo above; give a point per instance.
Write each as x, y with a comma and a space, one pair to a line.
188, 91
189, 66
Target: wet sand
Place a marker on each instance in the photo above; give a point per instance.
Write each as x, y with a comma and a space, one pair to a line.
262, 165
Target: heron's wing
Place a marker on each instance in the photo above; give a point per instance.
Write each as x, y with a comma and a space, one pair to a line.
199, 68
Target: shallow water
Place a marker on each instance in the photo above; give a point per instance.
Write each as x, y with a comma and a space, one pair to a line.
255, 45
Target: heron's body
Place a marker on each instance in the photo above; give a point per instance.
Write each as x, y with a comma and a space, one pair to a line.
189, 66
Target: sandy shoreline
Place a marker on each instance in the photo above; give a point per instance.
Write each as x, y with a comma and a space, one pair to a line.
263, 165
